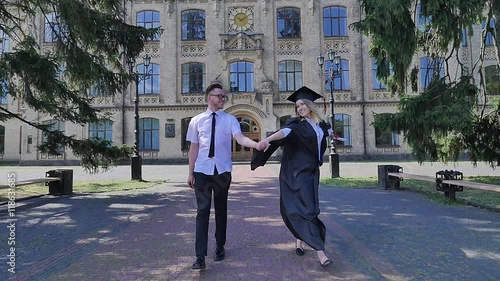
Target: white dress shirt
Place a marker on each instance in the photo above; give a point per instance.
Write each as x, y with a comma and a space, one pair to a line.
199, 131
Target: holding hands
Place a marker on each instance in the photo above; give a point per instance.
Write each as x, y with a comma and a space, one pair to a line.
262, 145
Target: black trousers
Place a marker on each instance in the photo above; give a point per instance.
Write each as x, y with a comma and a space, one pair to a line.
204, 185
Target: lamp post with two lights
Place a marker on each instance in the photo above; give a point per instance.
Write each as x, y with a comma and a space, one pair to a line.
334, 71
136, 164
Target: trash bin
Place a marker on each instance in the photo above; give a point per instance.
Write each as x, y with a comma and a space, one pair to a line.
386, 182
64, 186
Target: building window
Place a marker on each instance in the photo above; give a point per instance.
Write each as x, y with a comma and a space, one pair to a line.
4, 91
429, 69
241, 76
149, 84
149, 19
184, 128
343, 129
4, 42
54, 125
376, 83
385, 137
53, 28
94, 91
284, 119
492, 77
193, 78
489, 37
103, 131
464, 37
288, 23
335, 21
422, 21
342, 82
149, 134
2, 139
193, 25
289, 75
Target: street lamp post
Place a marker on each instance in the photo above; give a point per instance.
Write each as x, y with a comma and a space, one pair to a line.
136, 157
333, 72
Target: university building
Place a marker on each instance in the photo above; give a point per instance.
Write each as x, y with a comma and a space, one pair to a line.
260, 51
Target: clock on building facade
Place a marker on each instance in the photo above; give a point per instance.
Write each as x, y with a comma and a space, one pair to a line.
240, 19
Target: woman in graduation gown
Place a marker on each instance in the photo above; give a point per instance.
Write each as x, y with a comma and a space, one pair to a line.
303, 139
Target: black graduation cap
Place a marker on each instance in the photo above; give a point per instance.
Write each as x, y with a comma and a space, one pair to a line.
304, 93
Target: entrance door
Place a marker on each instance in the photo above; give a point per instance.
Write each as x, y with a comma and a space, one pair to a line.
251, 130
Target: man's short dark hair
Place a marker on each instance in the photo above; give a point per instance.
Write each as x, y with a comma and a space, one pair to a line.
213, 86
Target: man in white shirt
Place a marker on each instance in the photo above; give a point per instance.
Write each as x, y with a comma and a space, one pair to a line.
210, 166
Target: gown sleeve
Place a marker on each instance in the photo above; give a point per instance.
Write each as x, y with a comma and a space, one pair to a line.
260, 157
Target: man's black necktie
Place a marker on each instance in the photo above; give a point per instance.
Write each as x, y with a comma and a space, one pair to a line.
212, 138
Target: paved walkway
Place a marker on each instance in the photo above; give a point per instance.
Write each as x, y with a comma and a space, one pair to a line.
149, 234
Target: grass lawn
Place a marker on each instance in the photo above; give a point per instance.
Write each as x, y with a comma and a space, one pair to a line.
79, 187
476, 197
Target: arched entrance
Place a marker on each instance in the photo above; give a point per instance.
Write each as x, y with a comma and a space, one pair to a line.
251, 130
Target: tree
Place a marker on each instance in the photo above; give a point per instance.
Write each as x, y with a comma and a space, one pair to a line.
445, 120
92, 46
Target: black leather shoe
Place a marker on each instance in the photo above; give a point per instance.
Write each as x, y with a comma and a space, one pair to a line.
299, 251
220, 254
327, 263
199, 264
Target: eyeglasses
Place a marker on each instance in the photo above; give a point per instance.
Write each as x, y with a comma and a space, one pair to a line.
221, 97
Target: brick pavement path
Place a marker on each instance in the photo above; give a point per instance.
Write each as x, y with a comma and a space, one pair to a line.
149, 235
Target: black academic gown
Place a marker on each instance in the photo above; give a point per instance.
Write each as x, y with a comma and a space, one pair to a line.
299, 180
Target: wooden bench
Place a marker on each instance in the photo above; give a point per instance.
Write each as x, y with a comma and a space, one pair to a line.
446, 181
45, 180
60, 182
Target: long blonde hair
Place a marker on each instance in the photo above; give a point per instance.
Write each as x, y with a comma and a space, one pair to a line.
316, 115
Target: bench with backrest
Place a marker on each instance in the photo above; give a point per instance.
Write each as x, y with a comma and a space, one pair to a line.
60, 182
447, 181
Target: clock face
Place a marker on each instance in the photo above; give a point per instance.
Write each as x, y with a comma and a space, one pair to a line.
241, 19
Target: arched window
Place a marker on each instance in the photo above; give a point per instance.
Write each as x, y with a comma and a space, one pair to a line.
335, 22
376, 83
193, 78
4, 42
102, 130
384, 138
149, 19
54, 125
342, 82
492, 77
149, 83
422, 21
149, 134
4, 91
489, 36
193, 25
288, 22
289, 75
241, 76
53, 28
343, 129
464, 37
430, 69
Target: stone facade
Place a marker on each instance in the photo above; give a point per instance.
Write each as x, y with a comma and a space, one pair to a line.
225, 43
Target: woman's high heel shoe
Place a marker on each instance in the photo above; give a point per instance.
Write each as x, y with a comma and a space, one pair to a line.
327, 263
299, 250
